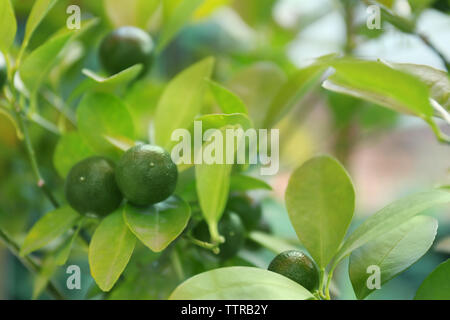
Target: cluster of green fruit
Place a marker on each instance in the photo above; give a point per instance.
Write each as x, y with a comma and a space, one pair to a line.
242, 215
144, 175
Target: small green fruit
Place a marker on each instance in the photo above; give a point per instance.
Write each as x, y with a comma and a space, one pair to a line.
146, 175
91, 187
3, 72
125, 47
231, 228
298, 267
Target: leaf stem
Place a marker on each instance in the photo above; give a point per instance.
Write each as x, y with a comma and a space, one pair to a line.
29, 263
430, 45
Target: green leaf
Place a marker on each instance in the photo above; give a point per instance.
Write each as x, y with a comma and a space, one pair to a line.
438, 81
135, 13
292, 91
112, 83
8, 25
392, 252
320, 200
37, 14
378, 83
240, 283
181, 15
158, 225
110, 250
63, 252
102, 115
240, 182
218, 120
48, 228
389, 218
257, 86
227, 100
37, 65
47, 270
181, 101
70, 149
437, 285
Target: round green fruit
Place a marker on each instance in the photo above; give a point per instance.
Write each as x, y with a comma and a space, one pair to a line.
125, 47
3, 72
146, 175
91, 187
231, 228
298, 267
249, 212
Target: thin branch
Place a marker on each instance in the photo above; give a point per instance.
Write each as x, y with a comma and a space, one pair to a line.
430, 45
29, 263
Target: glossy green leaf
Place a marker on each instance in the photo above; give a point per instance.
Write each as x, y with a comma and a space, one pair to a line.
257, 86
37, 14
378, 83
181, 101
110, 250
227, 100
208, 7
292, 91
391, 217
242, 183
320, 200
110, 84
70, 149
8, 25
437, 285
48, 228
36, 66
392, 252
240, 283
158, 225
179, 17
46, 271
102, 115
63, 252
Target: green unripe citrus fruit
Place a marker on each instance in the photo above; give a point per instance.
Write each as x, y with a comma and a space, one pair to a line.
231, 228
91, 187
3, 72
298, 267
249, 212
125, 47
146, 175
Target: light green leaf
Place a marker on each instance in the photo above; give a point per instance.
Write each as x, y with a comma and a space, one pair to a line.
135, 13
179, 17
158, 225
437, 285
271, 242
63, 252
218, 120
257, 86
112, 83
378, 83
37, 65
292, 91
70, 149
8, 25
102, 115
438, 81
320, 200
181, 101
227, 100
48, 228
392, 252
240, 182
240, 283
110, 250
47, 270
391, 217
37, 14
